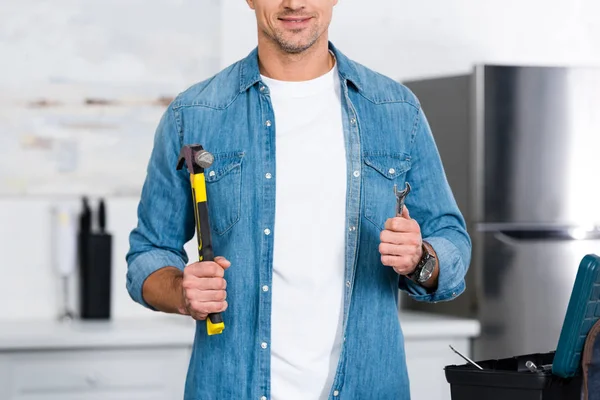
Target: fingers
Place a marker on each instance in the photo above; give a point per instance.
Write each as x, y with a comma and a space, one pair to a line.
204, 288
191, 282
401, 224
200, 303
200, 310
401, 243
405, 213
403, 258
388, 249
403, 265
208, 269
206, 296
410, 239
223, 262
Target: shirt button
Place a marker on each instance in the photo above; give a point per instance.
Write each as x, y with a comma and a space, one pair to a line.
347, 283
353, 121
267, 231
352, 228
265, 288
268, 175
336, 393
356, 174
263, 345
211, 173
263, 398
262, 88
268, 123
392, 171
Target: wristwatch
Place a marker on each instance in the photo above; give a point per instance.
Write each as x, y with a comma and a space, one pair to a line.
425, 267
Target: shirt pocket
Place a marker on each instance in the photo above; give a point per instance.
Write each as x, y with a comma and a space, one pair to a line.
381, 172
224, 190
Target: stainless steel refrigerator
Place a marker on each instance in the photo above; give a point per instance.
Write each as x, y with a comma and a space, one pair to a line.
521, 148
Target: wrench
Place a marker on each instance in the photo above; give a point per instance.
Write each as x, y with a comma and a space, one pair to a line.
400, 197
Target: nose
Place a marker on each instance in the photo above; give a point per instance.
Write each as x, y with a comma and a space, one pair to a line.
294, 4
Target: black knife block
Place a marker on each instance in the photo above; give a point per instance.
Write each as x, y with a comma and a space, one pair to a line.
95, 268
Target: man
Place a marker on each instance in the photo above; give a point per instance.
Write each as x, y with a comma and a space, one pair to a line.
308, 146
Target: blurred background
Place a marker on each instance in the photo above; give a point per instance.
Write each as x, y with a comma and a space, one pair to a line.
83, 86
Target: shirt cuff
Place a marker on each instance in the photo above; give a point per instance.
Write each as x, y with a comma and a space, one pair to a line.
143, 266
451, 282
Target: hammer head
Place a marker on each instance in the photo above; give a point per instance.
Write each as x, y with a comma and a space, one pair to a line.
195, 158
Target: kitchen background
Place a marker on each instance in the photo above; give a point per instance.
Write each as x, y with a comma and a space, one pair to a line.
83, 85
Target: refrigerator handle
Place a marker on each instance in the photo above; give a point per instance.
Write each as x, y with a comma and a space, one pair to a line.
513, 237
506, 239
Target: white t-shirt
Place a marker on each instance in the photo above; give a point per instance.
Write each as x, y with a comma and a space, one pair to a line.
308, 264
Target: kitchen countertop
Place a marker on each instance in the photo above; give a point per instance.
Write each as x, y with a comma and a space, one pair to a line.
177, 331
417, 325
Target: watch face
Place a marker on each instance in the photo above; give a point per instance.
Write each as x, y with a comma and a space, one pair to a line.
427, 270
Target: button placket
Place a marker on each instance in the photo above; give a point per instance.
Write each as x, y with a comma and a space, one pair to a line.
263, 333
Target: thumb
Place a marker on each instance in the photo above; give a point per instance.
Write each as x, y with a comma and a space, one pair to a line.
405, 212
223, 262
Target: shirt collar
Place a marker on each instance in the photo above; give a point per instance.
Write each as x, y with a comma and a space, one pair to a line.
250, 73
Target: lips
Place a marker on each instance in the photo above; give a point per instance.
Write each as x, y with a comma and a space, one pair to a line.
295, 22
295, 19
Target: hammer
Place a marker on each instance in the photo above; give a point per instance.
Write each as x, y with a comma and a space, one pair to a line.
197, 159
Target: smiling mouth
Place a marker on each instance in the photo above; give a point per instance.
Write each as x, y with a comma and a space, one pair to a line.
295, 20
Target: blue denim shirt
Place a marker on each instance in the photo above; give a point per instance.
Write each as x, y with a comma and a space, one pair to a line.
387, 140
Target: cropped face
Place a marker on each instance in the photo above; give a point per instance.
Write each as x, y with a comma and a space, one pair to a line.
293, 25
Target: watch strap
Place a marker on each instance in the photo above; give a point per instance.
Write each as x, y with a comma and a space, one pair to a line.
426, 256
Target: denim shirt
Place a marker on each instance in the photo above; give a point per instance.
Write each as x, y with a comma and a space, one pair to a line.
388, 141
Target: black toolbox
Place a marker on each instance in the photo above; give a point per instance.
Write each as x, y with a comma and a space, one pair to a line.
510, 379
557, 375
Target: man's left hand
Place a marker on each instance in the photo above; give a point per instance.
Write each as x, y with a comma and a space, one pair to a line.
401, 243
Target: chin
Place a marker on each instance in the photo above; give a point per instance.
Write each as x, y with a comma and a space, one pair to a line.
296, 46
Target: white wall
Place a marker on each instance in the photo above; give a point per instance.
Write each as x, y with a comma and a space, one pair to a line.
30, 284
407, 40
125, 54
64, 52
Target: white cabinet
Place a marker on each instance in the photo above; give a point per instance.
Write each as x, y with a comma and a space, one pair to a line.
426, 360
115, 360
148, 360
427, 338
156, 373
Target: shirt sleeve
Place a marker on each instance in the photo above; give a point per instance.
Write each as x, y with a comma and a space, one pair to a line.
165, 212
432, 204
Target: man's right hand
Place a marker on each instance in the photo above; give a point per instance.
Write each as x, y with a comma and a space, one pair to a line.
204, 287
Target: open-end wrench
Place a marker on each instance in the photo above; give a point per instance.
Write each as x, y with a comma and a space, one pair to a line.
534, 368
400, 197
